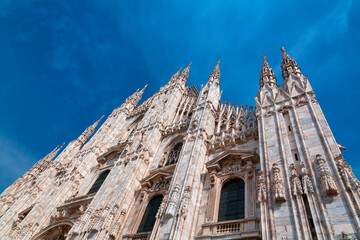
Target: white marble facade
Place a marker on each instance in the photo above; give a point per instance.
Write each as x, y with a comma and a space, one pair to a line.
180, 148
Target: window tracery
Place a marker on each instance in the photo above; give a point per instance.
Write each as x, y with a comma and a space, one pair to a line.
174, 154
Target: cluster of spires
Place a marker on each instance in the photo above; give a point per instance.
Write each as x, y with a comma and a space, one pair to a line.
288, 65
183, 77
267, 76
52, 154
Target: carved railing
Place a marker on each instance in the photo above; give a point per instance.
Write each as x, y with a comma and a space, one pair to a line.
138, 236
242, 228
230, 227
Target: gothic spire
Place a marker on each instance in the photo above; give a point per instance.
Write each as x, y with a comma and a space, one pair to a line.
288, 65
177, 74
142, 90
55, 152
185, 74
88, 132
174, 77
50, 156
215, 74
134, 99
267, 75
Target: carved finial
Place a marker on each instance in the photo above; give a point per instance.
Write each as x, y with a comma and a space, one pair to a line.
267, 75
97, 122
52, 154
288, 65
142, 90
89, 131
215, 74
176, 75
185, 73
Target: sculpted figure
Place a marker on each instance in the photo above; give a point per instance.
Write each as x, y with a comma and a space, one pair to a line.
278, 186
326, 179
306, 182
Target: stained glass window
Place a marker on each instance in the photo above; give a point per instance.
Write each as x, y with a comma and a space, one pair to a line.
148, 219
232, 200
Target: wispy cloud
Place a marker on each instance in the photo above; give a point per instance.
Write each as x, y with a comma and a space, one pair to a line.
15, 158
328, 28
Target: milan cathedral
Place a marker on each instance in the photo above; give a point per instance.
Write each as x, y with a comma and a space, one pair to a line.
185, 165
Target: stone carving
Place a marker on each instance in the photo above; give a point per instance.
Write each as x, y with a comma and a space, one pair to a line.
288, 65
163, 159
162, 183
60, 215
295, 181
87, 133
212, 180
162, 207
231, 165
345, 236
233, 125
211, 130
250, 169
326, 179
64, 175
306, 182
262, 195
177, 127
195, 122
278, 185
171, 209
267, 75
347, 175
184, 205
109, 220
95, 220
82, 221
117, 222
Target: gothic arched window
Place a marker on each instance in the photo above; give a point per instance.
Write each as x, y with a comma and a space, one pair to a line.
174, 154
99, 181
148, 219
232, 200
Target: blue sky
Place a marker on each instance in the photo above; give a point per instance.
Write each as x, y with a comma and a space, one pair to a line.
65, 63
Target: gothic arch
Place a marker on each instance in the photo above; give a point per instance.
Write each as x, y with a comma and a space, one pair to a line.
167, 150
55, 231
174, 153
230, 178
148, 218
232, 200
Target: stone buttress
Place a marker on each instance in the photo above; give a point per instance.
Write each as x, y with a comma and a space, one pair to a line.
185, 165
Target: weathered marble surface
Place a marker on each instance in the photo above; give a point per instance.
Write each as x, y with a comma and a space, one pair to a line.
297, 183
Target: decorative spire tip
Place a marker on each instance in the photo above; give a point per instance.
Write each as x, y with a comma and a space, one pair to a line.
282, 49
264, 57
